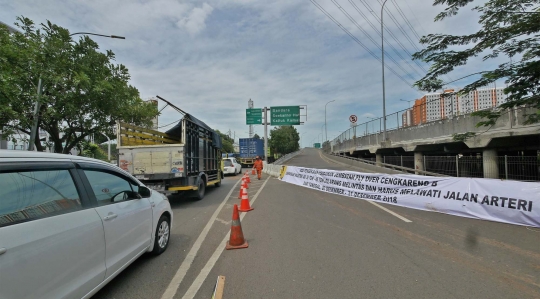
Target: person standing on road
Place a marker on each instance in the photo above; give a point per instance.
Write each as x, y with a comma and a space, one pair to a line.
258, 165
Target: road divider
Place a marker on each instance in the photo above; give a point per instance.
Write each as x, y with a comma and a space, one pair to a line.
273, 169
511, 202
219, 288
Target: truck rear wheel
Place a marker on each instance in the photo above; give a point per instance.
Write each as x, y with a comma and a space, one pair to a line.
201, 189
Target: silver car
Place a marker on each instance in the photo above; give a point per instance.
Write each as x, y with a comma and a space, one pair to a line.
69, 225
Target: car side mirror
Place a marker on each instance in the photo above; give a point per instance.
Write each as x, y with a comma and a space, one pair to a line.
144, 191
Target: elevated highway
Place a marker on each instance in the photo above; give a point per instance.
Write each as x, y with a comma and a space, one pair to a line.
510, 136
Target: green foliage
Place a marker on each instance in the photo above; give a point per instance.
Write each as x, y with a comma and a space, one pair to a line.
256, 136
284, 140
463, 137
92, 150
84, 92
227, 143
508, 28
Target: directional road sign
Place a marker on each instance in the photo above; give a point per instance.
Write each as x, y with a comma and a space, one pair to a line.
317, 145
285, 115
254, 116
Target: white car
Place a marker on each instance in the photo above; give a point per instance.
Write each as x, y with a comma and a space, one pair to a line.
69, 225
231, 166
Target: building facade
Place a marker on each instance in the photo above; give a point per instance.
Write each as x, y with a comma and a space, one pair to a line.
447, 104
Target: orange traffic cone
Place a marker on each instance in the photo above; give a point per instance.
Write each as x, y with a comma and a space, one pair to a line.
244, 204
242, 191
253, 172
244, 183
236, 240
248, 179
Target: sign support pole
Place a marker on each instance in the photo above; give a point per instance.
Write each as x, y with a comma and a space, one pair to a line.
265, 118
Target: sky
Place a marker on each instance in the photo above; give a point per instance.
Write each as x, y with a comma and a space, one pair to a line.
210, 57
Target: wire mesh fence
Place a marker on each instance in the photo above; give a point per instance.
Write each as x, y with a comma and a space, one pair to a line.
523, 168
403, 161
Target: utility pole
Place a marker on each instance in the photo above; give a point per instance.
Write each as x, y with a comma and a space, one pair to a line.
265, 118
326, 128
383, 88
250, 106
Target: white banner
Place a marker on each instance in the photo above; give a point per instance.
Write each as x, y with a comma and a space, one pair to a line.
489, 199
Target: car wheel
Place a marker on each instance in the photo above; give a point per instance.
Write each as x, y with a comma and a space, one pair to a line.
163, 233
201, 189
235, 173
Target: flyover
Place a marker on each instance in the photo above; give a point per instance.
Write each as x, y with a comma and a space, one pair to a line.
511, 135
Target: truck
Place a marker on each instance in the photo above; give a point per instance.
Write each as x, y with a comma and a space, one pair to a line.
249, 149
185, 159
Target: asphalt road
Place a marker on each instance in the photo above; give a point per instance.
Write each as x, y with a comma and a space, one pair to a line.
307, 244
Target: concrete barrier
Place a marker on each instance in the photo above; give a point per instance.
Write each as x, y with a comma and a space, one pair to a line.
274, 169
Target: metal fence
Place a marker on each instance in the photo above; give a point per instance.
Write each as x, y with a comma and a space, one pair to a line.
523, 168
403, 161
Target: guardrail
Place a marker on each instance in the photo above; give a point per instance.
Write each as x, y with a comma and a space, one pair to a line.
274, 169
287, 157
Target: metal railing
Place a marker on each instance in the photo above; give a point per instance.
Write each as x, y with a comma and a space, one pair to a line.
522, 168
286, 157
369, 134
392, 166
403, 161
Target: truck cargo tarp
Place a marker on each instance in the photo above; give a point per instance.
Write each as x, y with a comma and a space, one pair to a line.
177, 130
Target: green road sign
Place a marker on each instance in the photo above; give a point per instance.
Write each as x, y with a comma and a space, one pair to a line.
316, 145
254, 116
285, 115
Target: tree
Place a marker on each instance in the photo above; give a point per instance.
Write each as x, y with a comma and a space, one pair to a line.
509, 28
84, 92
227, 141
284, 140
256, 136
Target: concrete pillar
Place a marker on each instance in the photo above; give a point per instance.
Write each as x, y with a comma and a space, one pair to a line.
418, 161
491, 167
378, 159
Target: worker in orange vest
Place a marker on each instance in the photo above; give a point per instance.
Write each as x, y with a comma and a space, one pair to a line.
258, 165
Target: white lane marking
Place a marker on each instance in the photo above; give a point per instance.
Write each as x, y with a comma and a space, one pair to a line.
387, 210
196, 285
188, 260
223, 221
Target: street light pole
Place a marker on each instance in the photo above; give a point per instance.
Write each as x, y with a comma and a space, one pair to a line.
325, 127
409, 101
383, 88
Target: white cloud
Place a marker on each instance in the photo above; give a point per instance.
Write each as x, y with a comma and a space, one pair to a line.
281, 52
195, 22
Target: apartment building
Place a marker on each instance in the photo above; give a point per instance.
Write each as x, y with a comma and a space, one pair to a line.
436, 106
